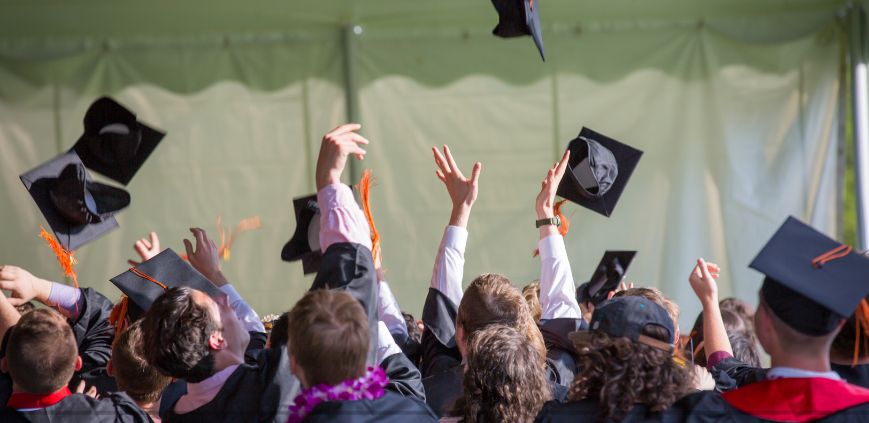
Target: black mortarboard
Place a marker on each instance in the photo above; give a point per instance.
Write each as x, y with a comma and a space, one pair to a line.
812, 282
305, 242
143, 283
598, 171
77, 209
517, 18
607, 276
114, 143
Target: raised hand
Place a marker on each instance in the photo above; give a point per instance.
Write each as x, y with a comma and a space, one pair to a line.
703, 283
23, 285
462, 190
205, 258
334, 149
146, 248
546, 198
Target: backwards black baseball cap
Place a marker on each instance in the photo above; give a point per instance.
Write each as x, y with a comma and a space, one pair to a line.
627, 317
812, 282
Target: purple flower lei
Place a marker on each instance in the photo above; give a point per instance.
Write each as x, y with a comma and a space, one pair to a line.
368, 386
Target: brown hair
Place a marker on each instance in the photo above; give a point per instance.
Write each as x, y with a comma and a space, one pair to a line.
41, 352
620, 373
492, 299
328, 337
505, 378
134, 376
531, 292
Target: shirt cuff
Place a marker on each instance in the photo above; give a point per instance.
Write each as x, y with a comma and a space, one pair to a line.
69, 299
551, 247
717, 357
456, 238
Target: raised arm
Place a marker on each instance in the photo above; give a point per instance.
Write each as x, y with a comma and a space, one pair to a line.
557, 290
450, 261
715, 340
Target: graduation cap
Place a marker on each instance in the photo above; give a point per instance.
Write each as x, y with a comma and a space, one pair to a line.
517, 18
144, 283
77, 209
598, 171
607, 276
812, 282
114, 143
305, 242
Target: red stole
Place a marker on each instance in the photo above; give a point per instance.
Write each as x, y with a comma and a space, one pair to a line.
796, 399
20, 400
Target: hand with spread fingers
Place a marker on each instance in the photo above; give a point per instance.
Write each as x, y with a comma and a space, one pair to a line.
335, 147
23, 285
205, 257
146, 248
462, 190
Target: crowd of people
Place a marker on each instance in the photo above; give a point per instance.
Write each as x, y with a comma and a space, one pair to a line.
184, 346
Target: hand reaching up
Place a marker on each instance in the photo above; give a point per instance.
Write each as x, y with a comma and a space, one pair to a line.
205, 258
23, 285
334, 149
703, 283
146, 248
546, 198
462, 190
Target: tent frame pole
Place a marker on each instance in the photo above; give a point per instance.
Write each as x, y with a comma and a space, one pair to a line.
351, 95
860, 110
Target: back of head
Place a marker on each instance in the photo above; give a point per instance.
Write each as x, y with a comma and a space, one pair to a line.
175, 331
41, 352
328, 337
505, 379
492, 299
531, 292
620, 373
142, 382
656, 296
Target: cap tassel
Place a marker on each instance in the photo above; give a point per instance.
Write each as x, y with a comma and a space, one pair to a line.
64, 256
861, 316
364, 188
565, 223
835, 253
118, 316
244, 225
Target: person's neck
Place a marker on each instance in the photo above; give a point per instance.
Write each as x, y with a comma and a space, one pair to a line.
152, 408
226, 358
814, 363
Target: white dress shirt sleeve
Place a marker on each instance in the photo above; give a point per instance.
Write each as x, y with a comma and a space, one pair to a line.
557, 291
244, 312
389, 312
449, 264
386, 345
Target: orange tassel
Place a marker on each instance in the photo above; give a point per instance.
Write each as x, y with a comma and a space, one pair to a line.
64, 256
364, 188
565, 223
226, 241
861, 316
118, 316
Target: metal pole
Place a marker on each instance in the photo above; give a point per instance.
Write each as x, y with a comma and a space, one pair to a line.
860, 107
351, 99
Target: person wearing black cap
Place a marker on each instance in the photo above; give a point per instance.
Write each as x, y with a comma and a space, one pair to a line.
41, 356
812, 283
626, 366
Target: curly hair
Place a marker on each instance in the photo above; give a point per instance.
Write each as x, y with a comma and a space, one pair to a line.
505, 378
621, 373
531, 292
492, 299
176, 331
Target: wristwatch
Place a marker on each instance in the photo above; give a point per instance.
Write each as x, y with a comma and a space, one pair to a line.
555, 221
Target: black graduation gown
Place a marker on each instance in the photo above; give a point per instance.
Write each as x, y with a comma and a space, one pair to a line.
442, 360
787, 399
857, 375
390, 408
587, 410
404, 378
560, 352
731, 373
115, 408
